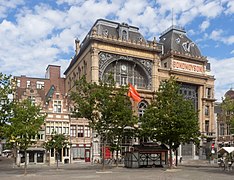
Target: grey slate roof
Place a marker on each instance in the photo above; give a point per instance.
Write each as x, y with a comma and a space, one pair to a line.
111, 28
175, 39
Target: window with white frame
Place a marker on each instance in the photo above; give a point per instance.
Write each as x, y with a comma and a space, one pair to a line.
65, 130
86, 131
18, 83
40, 85
28, 84
41, 136
57, 106
73, 131
32, 99
80, 131
58, 129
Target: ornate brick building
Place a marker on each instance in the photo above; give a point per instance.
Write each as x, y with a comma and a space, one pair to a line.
120, 49
225, 136
49, 93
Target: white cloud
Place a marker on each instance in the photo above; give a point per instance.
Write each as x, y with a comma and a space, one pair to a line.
204, 25
232, 52
211, 9
70, 2
229, 40
7, 6
223, 70
218, 35
40, 34
230, 7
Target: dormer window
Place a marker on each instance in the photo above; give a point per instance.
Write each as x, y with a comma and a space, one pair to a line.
123, 30
124, 35
105, 32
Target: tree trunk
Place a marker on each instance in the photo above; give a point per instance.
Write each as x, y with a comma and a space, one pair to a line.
170, 165
25, 162
176, 156
57, 157
103, 154
117, 157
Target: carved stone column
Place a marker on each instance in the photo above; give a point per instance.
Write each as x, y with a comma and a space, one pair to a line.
94, 65
155, 75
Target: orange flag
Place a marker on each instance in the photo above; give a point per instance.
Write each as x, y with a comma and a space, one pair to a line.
132, 93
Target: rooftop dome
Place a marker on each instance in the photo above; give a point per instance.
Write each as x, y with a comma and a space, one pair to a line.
230, 94
175, 38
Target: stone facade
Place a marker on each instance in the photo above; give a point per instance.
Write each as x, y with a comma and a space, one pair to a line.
122, 50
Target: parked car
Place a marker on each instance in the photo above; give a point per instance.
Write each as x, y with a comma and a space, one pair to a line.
7, 153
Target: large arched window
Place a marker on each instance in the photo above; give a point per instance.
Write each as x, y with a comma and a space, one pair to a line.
125, 72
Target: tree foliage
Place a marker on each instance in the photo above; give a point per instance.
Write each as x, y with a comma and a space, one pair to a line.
23, 125
107, 108
5, 102
170, 119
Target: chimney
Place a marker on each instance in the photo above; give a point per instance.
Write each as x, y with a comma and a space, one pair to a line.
77, 42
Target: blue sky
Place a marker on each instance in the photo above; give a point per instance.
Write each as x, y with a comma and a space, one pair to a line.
36, 33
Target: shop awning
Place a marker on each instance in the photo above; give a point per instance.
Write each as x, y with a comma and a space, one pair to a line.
226, 150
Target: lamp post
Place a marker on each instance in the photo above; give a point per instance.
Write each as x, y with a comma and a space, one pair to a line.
69, 131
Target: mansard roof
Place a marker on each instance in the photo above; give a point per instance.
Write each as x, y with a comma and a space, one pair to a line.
112, 30
175, 39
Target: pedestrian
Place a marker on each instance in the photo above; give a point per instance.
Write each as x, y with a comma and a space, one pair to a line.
180, 159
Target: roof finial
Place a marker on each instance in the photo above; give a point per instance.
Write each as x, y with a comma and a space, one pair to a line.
172, 17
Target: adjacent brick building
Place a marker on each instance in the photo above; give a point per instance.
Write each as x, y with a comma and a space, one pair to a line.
49, 93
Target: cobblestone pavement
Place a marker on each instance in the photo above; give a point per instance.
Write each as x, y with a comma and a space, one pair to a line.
80, 171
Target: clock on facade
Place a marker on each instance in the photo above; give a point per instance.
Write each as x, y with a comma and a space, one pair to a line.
123, 67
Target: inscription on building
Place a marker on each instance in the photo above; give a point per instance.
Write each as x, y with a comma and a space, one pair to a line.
187, 66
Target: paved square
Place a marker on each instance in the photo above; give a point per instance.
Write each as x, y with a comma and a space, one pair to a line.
94, 172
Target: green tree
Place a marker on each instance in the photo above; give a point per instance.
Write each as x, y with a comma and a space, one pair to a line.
107, 108
23, 126
120, 116
170, 119
57, 142
5, 102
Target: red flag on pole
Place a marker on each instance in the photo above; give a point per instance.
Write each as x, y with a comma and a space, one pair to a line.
132, 93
